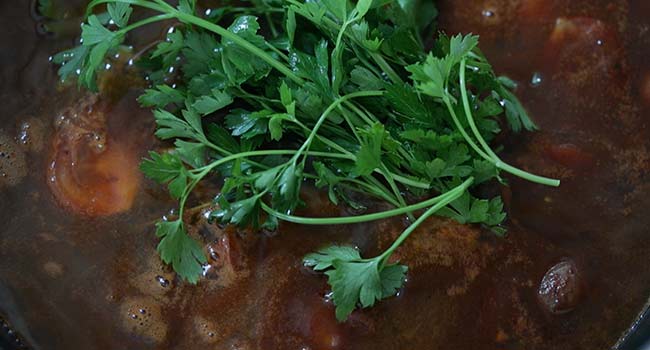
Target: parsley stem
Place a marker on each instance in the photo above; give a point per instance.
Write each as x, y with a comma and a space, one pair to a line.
386, 67
442, 201
337, 55
325, 114
262, 153
493, 156
351, 156
366, 63
278, 52
468, 112
163, 3
359, 112
370, 189
351, 124
323, 139
526, 175
439, 202
144, 22
204, 171
381, 187
461, 129
393, 186
410, 182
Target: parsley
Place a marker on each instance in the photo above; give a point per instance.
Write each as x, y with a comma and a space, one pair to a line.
355, 280
45, 8
336, 93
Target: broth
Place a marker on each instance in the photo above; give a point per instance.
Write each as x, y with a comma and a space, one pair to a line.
71, 281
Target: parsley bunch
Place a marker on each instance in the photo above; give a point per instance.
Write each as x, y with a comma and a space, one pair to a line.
331, 92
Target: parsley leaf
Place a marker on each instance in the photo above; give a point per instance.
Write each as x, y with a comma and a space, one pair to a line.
120, 13
161, 167
71, 61
208, 104
369, 155
161, 96
180, 250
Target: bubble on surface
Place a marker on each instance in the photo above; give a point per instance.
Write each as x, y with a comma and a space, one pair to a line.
143, 317
206, 331
32, 134
153, 279
53, 269
13, 165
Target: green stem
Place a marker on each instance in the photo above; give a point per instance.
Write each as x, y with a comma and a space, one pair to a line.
468, 113
260, 153
278, 52
164, 4
493, 156
526, 175
332, 106
393, 186
381, 62
372, 180
325, 140
410, 182
445, 198
337, 54
460, 128
366, 63
370, 189
360, 113
351, 124
349, 155
144, 22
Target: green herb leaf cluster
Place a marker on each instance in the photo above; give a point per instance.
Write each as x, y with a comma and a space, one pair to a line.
335, 93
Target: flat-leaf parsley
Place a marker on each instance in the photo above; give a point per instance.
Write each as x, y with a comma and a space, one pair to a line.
337, 93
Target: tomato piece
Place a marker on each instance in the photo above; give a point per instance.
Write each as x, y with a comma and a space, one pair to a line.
91, 172
570, 156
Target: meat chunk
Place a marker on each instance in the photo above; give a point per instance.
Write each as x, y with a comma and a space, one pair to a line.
92, 171
561, 288
442, 245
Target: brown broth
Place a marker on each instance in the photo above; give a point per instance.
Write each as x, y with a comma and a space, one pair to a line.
68, 281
